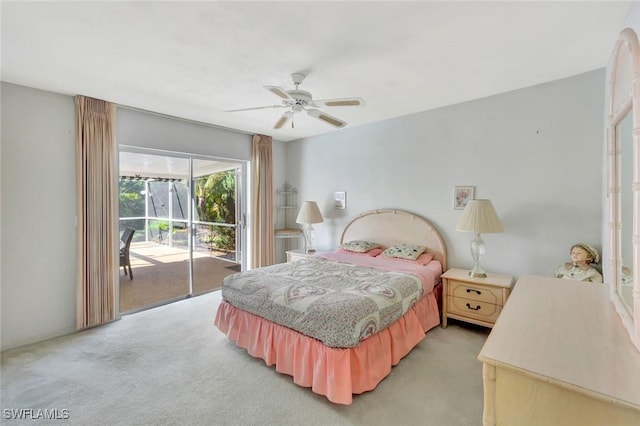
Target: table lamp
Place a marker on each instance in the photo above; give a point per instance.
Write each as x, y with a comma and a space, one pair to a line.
479, 217
308, 215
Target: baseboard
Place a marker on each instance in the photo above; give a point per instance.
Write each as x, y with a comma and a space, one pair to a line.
36, 339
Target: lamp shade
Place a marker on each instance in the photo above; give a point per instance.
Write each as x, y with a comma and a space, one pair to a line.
480, 217
309, 213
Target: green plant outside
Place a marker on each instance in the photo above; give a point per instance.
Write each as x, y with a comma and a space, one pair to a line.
215, 202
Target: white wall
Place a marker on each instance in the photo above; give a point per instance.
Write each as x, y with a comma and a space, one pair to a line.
149, 130
38, 293
38, 215
535, 152
633, 19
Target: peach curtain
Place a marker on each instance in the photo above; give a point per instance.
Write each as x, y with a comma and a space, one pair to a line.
262, 220
97, 210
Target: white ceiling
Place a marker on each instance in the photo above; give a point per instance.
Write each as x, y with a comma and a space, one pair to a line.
195, 60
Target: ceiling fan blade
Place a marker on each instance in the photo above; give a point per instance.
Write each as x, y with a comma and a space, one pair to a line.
254, 108
279, 92
284, 119
326, 118
340, 102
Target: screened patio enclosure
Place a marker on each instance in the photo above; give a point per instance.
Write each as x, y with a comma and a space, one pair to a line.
184, 210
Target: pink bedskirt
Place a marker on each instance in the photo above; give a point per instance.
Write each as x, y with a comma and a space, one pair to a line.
335, 373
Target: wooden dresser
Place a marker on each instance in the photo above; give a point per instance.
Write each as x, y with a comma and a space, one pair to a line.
559, 355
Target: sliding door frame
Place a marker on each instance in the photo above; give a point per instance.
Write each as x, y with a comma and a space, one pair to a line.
241, 203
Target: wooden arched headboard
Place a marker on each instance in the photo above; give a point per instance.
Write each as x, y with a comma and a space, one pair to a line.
392, 226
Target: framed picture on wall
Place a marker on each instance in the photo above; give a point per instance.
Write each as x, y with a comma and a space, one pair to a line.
340, 200
462, 194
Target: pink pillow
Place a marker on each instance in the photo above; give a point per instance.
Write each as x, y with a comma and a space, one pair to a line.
371, 253
423, 259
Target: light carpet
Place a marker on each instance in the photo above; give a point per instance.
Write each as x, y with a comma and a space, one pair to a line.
171, 366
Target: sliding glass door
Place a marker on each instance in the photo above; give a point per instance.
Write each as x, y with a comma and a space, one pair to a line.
215, 223
185, 211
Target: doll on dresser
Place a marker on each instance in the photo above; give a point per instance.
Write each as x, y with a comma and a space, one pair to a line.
580, 269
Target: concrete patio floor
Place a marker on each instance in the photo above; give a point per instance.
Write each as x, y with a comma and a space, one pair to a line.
161, 273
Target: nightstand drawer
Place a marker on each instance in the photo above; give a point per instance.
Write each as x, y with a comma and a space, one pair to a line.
474, 309
474, 300
476, 292
298, 254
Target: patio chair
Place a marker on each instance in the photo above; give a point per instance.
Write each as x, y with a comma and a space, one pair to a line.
126, 238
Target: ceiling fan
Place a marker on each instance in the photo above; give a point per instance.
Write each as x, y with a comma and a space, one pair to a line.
297, 100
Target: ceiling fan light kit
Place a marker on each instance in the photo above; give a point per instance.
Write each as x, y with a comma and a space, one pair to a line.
298, 100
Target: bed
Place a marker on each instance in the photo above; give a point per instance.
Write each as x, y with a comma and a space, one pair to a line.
339, 368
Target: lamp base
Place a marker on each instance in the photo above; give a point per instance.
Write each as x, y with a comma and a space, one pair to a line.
308, 239
474, 274
477, 250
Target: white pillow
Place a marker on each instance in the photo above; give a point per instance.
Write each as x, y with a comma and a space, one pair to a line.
359, 246
404, 251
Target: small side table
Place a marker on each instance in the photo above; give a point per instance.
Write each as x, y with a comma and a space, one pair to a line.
474, 300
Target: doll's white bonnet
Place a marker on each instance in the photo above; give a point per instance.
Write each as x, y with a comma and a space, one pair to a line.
591, 250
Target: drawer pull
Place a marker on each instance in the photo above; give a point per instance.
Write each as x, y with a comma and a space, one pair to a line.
477, 308
469, 290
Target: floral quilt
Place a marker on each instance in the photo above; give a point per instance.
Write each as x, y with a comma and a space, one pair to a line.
337, 303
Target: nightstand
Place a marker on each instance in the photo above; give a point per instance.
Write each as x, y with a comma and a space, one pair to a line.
297, 254
474, 300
